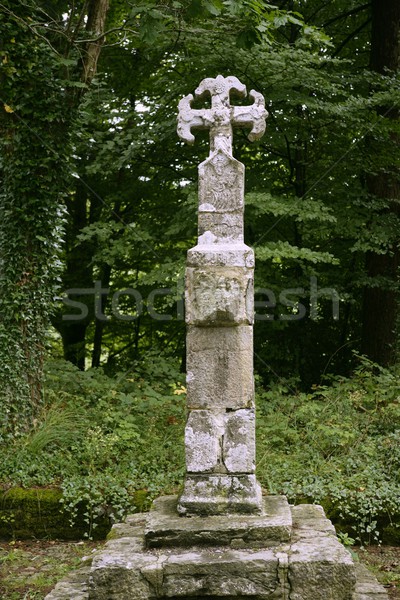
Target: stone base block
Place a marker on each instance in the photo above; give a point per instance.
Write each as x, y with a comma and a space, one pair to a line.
313, 565
220, 368
221, 255
220, 442
216, 573
320, 568
220, 495
165, 528
201, 574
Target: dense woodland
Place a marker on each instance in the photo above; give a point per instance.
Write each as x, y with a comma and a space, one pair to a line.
99, 196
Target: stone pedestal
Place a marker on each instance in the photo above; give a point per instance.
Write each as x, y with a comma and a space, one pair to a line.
285, 553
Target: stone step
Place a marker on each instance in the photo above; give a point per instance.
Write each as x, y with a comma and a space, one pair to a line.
166, 528
320, 567
367, 587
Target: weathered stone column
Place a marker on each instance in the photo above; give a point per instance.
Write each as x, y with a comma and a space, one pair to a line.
220, 430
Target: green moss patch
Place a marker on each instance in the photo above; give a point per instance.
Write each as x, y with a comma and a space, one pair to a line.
38, 513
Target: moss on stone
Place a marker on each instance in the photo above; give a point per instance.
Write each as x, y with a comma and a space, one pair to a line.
38, 513
113, 535
141, 500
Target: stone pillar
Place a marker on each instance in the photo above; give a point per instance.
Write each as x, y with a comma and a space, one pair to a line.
220, 431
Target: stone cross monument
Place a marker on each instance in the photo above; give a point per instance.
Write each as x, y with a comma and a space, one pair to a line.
220, 430
268, 550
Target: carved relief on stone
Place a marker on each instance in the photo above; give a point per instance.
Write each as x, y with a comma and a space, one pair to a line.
221, 186
219, 296
227, 227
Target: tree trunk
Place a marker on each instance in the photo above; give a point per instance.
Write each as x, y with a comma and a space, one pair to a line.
380, 306
99, 323
95, 26
78, 273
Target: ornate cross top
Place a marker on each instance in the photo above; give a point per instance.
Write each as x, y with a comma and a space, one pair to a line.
221, 116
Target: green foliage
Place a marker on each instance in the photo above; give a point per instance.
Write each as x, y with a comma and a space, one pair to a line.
131, 216
346, 540
125, 439
132, 203
337, 446
58, 425
34, 149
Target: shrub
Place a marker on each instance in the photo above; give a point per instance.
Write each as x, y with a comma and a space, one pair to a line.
338, 446
102, 439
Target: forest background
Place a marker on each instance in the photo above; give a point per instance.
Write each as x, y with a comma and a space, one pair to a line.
98, 207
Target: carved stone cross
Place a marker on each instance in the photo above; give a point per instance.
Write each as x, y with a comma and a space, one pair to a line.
221, 116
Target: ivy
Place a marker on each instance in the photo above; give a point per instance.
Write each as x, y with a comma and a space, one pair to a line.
34, 142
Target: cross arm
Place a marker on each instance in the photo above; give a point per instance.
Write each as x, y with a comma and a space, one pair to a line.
189, 118
220, 118
252, 116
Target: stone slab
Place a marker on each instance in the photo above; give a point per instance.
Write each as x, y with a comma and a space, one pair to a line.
220, 495
221, 573
220, 367
320, 568
73, 587
165, 528
367, 587
203, 433
239, 444
216, 254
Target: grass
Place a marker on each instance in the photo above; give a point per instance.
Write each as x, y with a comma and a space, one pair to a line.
30, 569
384, 563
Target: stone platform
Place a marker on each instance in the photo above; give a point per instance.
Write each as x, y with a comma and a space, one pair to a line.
165, 528
287, 553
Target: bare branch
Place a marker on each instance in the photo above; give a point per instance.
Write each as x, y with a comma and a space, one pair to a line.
349, 13
103, 35
350, 37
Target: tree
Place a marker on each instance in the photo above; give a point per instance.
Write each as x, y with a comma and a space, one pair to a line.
40, 96
132, 159
117, 74
137, 174
381, 295
34, 162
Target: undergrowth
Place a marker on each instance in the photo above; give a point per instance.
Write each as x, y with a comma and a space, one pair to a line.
339, 446
101, 439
